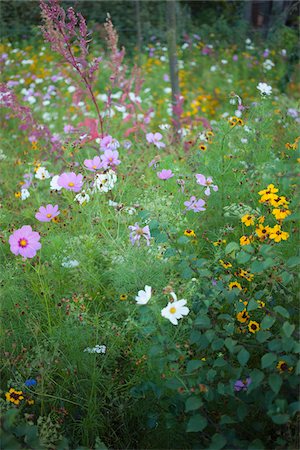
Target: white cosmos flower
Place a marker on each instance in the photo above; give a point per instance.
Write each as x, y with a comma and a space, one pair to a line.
54, 185
42, 173
24, 194
143, 297
264, 88
104, 182
175, 310
82, 197
70, 263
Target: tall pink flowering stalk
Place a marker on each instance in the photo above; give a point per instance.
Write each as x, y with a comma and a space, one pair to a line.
64, 31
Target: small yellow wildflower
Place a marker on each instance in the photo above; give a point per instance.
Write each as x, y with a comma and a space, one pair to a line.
248, 219
245, 240
281, 214
283, 367
18, 194
235, 285
123, 297
14, 396
189, 233
253, 326
243, 316
225, 264
263, 231
219, 242
278, 235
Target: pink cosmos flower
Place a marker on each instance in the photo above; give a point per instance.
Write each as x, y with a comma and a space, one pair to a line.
206, 182
155, 138
165, 174
70, 181
195, 205
109, 143
137, 232
46, 214
110, 158
25, 242
93, 164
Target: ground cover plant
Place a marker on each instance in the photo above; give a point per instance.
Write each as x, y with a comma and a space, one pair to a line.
149, 251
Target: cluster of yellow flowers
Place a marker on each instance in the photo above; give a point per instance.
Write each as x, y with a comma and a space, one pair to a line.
294, 145
280, 204
233, 121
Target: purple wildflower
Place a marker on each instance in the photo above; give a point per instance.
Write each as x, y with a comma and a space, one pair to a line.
242, 385
137, 232
70, 181
203, 181
110, 159
109, 143
165, 174
155, 138
47, 213
195, 205
25, 242
93, 164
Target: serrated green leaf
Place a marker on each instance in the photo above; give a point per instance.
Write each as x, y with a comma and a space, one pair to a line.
218, 442
252, 305
280, 419
193, 365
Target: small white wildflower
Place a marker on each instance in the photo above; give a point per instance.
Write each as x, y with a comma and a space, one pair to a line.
82, 198
42, 173
143, 297
264, 88
70, 263
54, 185
24, 194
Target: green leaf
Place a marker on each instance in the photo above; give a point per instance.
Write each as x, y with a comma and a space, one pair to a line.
196, 423
269, 262
280, 419
217, 344
232, 247
256, 445
282, 311
275, 382
226, 420
288, 328
256, 267
252, 305
203, 321
220, 362
262, 336
243, 356
294, 407
297, 370
286, 277
267, 322
193, 403
230, 344
173, 383
193, 365
293, 261
218, 442
242, 257
267, 360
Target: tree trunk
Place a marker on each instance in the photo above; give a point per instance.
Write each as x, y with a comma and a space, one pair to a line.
172, 52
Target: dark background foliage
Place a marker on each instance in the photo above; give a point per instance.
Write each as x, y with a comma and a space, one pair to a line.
18, 17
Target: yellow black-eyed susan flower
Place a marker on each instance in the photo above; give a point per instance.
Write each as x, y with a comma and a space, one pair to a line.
283, 367
277, 234
202, 147
263, 231
245, 240
243, 316
225, 264
219, 242
189, 233
253, 326
18, 194
123, 297
235, 285
248, 219
14, 396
